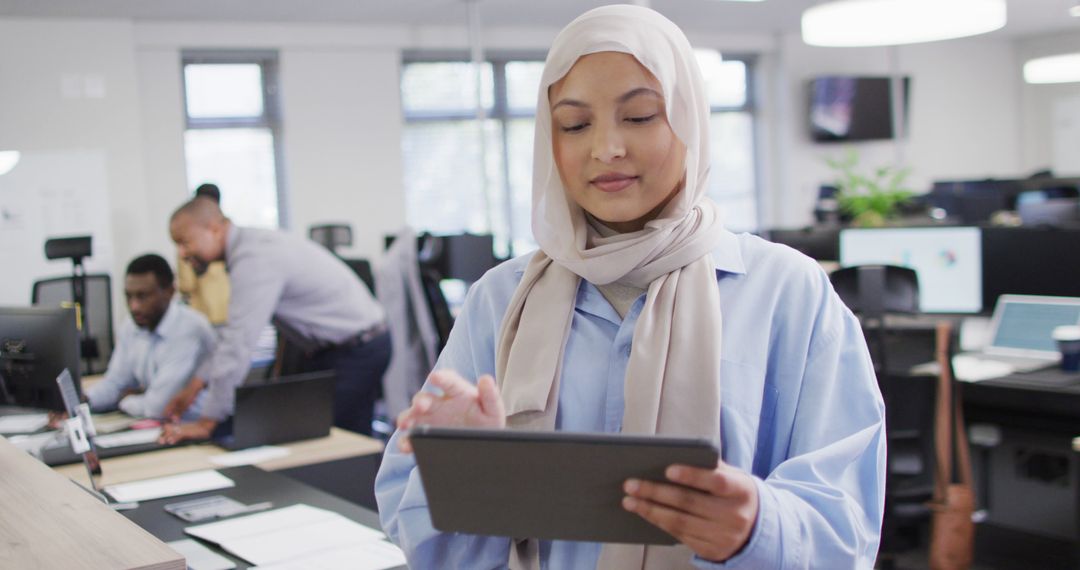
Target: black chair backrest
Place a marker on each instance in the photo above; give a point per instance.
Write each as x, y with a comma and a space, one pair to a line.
97, 330
331, 236
873, 290
362, 268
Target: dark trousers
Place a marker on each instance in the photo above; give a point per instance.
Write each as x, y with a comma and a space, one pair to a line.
359, 369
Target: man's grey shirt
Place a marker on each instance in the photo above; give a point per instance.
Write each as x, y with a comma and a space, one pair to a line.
313, 297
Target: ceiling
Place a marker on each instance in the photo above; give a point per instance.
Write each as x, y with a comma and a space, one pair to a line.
1026, 17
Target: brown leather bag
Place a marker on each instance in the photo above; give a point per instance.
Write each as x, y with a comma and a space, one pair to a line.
952, 532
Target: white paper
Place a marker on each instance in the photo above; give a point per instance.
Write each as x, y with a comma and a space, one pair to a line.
23, 423
970, 368
249, 456
377, 555
301, 541
199, 557
255, 525
171, 486
291, 534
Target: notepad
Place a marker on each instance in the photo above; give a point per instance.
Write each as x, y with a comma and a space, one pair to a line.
249, 456
300, 532
199, 557
171, 486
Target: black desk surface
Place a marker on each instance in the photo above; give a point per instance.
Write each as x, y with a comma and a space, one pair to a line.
1046, 399
253, 485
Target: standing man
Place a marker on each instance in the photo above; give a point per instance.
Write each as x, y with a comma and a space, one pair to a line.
157, 349
207, 293
315, 300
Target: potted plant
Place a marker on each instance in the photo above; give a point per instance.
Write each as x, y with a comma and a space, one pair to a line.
869, 200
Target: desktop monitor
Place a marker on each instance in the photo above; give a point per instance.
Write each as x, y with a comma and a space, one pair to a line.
36, 345
1030, 261
947, 260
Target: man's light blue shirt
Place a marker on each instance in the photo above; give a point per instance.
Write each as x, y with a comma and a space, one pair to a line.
157, 363
800, 411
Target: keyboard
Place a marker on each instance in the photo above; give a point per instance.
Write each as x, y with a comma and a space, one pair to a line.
130, 437
117, 444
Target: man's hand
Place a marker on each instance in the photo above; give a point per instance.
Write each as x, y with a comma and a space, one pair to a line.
711, 512
460, 405
198, 429
57, 419
183, 399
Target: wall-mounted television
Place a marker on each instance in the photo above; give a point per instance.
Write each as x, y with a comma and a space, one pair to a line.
850, 108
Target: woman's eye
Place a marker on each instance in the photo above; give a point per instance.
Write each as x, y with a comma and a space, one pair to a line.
642, 119
574, 128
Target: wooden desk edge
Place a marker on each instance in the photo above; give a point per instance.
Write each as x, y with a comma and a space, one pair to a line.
340, 444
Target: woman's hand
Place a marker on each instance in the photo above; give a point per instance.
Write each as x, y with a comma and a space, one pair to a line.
461, 405
711, 512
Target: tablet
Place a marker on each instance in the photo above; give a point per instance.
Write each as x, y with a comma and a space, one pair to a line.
545, 485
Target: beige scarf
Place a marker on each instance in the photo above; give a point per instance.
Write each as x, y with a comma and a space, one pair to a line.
672, 379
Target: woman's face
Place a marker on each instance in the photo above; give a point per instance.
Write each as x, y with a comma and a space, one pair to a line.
616, 153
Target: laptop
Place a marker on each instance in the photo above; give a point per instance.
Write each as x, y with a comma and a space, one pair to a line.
280, 410
277, 410
1019, 336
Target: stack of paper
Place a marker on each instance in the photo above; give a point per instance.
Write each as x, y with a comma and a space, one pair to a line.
302, 537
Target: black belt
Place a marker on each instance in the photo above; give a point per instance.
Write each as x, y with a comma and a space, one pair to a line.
365, 336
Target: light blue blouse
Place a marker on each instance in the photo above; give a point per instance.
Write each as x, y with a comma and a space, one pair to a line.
801, 411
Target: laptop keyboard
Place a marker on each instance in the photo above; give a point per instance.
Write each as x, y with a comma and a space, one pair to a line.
125, 438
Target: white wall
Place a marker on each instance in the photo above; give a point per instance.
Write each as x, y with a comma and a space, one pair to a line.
963, 116
1039, 100
72, 86
342, 136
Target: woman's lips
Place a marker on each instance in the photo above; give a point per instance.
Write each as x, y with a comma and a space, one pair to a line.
613, 182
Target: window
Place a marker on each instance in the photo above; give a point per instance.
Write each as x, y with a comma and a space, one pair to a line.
732, 180
462, 176
232, 137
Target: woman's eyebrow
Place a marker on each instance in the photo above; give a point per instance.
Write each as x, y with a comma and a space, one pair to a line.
621, 99
639, 91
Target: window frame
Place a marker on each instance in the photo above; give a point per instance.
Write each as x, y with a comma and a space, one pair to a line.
500, 110
270, 119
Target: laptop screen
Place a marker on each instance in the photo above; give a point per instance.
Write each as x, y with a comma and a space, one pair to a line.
1026, 322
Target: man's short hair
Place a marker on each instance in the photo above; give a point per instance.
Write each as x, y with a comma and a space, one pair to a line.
152, 263
209, 190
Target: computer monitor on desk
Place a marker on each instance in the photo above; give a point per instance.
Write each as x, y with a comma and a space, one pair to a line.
947, 260
36, 344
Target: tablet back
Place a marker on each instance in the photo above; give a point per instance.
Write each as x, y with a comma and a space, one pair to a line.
545, 485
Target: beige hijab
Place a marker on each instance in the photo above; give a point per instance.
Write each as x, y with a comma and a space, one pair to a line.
672, 379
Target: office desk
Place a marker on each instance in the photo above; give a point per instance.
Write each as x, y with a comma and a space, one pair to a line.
1029, 480
253, 485
340, 444
46, 522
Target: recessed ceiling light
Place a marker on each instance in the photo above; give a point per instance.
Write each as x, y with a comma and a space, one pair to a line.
1053, 69
850, 23
8, 160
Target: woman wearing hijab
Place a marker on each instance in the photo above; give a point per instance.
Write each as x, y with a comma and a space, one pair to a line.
641, 314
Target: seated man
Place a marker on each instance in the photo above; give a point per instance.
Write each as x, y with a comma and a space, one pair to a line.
157, 350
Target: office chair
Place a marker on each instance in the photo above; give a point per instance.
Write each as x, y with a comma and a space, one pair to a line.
872, 292
96, 313
331, 236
